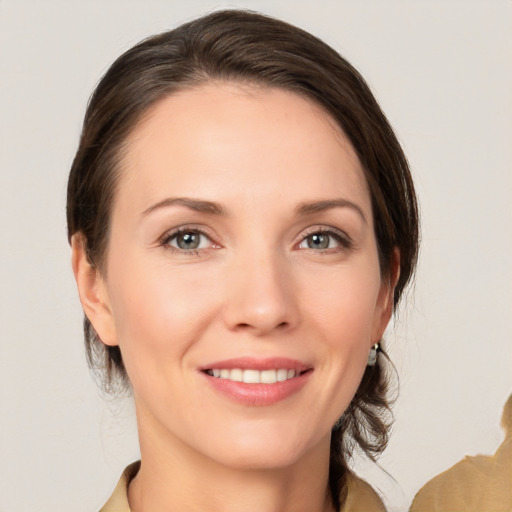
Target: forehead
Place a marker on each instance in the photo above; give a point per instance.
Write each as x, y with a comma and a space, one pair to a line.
218, 138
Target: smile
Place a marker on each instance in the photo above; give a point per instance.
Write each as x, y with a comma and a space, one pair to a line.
251, 376
257, 382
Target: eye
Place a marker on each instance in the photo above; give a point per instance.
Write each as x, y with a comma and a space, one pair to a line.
187, 240
323, 240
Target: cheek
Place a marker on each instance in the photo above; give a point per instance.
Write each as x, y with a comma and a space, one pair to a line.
159, 312
344, 311
345, 302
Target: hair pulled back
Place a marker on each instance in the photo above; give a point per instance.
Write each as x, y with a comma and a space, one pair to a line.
242, 46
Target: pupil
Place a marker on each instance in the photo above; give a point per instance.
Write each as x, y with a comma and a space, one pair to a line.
318, 241
188, 241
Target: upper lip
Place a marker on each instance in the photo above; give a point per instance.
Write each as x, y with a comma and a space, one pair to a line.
252, 363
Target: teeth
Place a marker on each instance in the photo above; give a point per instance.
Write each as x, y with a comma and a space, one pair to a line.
282, 375
254, 376
251, 376
268, 376
236, 374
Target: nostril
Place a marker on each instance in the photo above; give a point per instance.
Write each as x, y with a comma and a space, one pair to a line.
245, 326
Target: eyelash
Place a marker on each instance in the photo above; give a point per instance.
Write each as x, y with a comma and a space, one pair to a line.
342, 239
183, 230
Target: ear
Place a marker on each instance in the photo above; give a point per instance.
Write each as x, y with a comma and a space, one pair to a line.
384, 308
93, 292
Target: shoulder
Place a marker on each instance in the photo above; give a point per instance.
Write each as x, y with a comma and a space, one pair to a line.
361, 496
475, 483
118, 502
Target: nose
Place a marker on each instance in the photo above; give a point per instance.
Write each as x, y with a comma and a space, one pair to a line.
260, 300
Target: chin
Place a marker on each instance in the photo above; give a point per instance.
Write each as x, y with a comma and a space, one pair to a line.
259, 460
266, 450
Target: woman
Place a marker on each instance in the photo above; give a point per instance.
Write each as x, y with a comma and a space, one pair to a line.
243, 223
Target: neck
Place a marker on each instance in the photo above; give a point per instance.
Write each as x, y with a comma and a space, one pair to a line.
173, 476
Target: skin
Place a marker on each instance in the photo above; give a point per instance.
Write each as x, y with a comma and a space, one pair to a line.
257, 286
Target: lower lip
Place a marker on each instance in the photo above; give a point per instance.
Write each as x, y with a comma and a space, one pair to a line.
258, 394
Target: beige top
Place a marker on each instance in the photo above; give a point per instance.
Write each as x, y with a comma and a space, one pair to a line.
361, 496
475, 484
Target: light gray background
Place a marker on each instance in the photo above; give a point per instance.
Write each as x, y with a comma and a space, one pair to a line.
442, 71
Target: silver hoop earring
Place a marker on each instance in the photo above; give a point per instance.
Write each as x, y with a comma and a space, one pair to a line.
372, 356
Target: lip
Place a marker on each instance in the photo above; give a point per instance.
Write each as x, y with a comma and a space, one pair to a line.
253, 363
258, 394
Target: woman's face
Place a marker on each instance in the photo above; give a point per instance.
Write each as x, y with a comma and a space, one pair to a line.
241, 247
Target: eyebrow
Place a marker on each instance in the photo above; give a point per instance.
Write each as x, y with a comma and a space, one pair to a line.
197, 205
328, 204
214, 208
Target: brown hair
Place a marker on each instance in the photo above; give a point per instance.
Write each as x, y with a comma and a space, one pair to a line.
243, 46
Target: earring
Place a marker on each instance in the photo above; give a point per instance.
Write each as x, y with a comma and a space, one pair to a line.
372, 356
